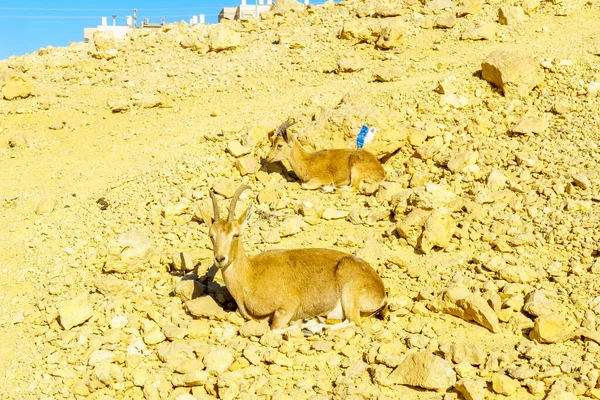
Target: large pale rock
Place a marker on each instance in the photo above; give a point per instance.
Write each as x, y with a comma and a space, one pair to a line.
435, 196
424, 370
112, 286
362, 30
223, 38
514, 74
391, 35
188, 289
438, 230
481, 32
350, 63
254, 328
511, 15
530, 124
462, 161
246, 165
518, 274
281, 7
104, 41
411, 227
204, 306
74, 313
467, 352
505, 385
469, 7
17, 88
551, 328
471, 389
218, 360
560, 394
226, 187
129, 252
174, 353
461, 303
538, 304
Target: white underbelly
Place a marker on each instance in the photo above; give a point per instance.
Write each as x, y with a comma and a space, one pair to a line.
337, 312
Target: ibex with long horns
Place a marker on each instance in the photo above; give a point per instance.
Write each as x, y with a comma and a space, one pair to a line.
334, 168
285, 285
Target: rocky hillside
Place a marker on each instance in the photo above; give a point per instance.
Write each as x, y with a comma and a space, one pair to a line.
485, 231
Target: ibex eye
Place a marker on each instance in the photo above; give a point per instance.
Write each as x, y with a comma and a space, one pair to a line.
236, 235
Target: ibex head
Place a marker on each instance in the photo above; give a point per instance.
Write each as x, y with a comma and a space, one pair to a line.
225, 234
282, 143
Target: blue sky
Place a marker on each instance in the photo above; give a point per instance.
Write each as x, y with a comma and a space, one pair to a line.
26, 26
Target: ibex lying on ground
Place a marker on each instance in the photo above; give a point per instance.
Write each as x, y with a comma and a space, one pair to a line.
329, 169
285, 285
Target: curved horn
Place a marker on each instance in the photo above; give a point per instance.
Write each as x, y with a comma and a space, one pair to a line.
234, 200
282, 130
215, 205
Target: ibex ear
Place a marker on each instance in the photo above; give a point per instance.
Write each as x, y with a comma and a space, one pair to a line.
203, 215
243, 220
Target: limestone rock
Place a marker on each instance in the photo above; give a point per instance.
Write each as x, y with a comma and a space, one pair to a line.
438, 230
537, 304
74, 313
18, 140
462, 160
505, 385
391, 35
350, 63
236, 149
411, 227
118, 105
561, 395
551, 328
187, 289
104, 41
518, 274
472, 7
17, 88
45, 207
387, 74
530, 124
218, 360
254, 328
496, 181
481, 32
281, 7
361, 30
511, 15
582, 181
204, 306
445, 22
435, 196
174, 353
467, 352
438, 4
112, 286
225, 187
424, 370
471, 389
129, 252
461, 303
223, 38
331, 213
246, 165
292, 225
514, 74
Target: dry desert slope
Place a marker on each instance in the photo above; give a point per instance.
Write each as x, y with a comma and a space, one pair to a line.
485, 231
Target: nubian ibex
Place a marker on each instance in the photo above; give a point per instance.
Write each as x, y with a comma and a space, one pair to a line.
286, 285
327, 169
